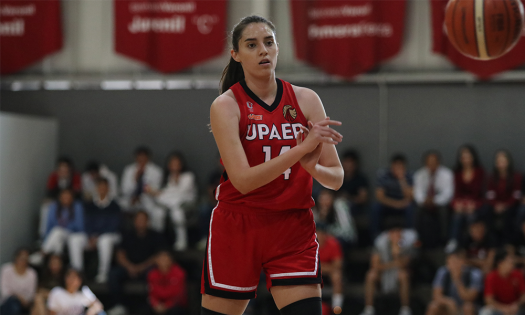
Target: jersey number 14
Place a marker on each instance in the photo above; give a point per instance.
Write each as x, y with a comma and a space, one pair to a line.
268, 156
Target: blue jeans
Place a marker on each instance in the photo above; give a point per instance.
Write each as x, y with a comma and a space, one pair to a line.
11, 306
379, 211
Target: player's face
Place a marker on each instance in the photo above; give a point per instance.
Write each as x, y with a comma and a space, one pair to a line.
258, 50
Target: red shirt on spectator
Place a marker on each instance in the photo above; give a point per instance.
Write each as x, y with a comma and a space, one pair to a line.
331, 250
499, 190
505, 290
168, 289
53, 185
472, 190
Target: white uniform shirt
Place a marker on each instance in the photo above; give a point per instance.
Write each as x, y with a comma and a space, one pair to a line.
63, 302
89, 186
443, 185
152, 178
177, 193
13, 283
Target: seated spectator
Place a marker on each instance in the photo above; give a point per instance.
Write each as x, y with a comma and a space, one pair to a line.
178, 190
73, 298
64, 177
18, 284
95, 171
135, 256
468, 191
52, 276
394, 194
102, 227
456, 287
336, 216
355, 184
389, 265
167, 286
331, 257
208, 203
433, 191
136, 177
503, 196
517, 247
65, 223
480, 246
504, 288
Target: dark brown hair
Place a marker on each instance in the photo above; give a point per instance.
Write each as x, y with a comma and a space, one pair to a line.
233, 72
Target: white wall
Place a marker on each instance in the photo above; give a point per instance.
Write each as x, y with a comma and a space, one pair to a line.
88, 41
28, 148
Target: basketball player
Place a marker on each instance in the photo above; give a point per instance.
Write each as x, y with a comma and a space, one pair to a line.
263, 219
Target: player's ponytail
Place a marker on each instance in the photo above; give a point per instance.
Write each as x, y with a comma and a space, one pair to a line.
233, 72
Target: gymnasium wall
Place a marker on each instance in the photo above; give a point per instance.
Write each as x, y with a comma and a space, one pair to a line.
378, 121
28, 147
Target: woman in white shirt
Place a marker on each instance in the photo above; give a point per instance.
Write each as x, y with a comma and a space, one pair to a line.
18, 284
178, 189
73, 299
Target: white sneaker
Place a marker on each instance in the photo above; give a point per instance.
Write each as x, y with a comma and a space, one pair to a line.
118, 310
405, 310
369, 310
36, 259
101, 278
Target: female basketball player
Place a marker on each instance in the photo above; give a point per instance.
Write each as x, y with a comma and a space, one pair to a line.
263, 218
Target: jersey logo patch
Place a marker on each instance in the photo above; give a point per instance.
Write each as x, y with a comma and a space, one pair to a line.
255, 117
289, 113
250, 106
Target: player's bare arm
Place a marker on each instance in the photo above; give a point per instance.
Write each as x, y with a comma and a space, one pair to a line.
224, 117
328, 170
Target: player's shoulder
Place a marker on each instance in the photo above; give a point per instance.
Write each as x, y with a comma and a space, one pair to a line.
225, 102
303, 93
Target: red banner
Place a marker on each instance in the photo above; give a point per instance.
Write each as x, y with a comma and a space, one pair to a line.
29, 31
482, 69
347, 37
170, 35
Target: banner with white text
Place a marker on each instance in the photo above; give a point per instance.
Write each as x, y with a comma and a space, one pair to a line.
347, 37
29, 31
170, 35
482, 69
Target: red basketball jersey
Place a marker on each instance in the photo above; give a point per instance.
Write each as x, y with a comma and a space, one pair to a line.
266, 131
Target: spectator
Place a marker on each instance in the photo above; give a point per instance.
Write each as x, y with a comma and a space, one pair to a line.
167, 286
336, 215
52, 276
503, 195
468, 191
135, 256
136, 177
95, 171
504, 288
65, 223
393, 251
102, 227
456, 287
394, 194
517, 247
479, 246
18, 284
433, 191
63, 177
208, 203
355, 184
331, 257
179, 191
73, 298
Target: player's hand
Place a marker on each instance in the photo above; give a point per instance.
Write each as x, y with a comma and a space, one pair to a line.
309, 160
321, 132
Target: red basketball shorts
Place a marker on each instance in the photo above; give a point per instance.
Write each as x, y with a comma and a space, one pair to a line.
244, 242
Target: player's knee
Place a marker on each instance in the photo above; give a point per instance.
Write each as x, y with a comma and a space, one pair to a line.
309, 306
205, 311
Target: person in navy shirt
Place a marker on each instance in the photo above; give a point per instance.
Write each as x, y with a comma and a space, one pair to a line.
394, 194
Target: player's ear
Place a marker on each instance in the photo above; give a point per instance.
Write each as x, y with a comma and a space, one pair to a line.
235, 55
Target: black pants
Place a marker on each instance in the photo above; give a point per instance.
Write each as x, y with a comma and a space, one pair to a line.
176, 310
117, 276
